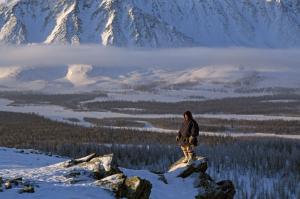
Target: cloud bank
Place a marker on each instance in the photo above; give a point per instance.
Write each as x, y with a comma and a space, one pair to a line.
56, 55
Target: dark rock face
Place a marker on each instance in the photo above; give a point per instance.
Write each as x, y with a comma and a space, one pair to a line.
208, 188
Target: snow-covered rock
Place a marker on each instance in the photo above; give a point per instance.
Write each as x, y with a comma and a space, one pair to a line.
156, 23
126, 187
185, 170
114, 183
137, 188
100, 166
207, 187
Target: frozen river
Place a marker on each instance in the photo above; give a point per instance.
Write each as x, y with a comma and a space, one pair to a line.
59, 113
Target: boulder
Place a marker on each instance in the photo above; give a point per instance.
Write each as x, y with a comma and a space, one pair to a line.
114, 183
137, 188
124, 187
27, 189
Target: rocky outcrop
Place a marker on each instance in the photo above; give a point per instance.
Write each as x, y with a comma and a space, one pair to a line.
207, 187
23, 186
102, 172
109, 176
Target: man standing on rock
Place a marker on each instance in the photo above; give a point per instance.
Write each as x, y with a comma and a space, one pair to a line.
187, 136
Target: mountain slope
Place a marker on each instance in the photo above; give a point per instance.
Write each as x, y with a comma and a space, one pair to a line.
156, 23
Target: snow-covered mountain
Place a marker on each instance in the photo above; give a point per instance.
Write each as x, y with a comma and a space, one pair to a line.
155, 23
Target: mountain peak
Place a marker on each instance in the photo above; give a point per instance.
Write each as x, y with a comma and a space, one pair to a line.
141, 23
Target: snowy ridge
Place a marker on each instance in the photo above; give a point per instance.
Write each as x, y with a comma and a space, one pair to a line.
52, 178
156, 23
